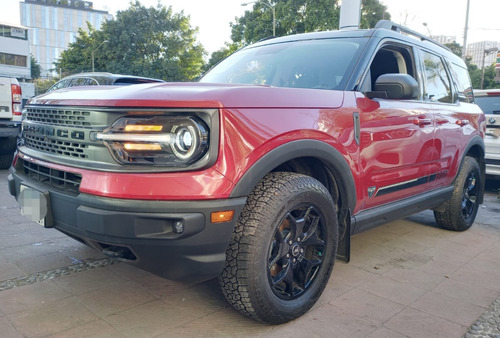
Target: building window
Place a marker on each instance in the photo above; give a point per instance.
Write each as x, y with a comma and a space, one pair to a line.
13, 60
13, 32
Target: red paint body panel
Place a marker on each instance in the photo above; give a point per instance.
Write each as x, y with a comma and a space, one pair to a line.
398, 140
191, 95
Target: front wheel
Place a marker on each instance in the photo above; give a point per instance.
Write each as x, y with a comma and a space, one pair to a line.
282, 250
460, 211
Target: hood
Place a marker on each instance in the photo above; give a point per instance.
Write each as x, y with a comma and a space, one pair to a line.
191, 95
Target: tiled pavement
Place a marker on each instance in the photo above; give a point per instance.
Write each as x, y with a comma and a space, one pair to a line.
405, 279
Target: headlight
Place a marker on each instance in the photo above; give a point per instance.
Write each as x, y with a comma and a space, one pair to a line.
157, 140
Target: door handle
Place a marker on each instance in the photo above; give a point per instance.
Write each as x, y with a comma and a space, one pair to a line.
421, 122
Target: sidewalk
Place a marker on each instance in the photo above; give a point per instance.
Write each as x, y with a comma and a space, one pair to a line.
405, 279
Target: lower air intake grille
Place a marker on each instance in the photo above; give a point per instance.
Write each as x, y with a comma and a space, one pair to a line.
58, 179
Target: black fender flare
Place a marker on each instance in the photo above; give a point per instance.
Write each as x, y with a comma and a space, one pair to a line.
333, 159
479, 142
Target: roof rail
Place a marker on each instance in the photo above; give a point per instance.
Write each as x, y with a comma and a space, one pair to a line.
386, 24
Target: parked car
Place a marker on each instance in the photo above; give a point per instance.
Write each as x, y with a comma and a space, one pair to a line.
10, 119
489, 101
100, 79
260, 173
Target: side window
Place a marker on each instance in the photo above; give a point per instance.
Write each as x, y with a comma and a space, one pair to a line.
464, 86
390, 59
438, 85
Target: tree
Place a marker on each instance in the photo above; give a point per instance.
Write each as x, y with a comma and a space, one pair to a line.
78, 57
299, 16
220, 55
41, 85
455, 47
36, 70
371, 12
153, 42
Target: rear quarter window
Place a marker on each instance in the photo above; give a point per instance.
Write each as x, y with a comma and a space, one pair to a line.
463, 83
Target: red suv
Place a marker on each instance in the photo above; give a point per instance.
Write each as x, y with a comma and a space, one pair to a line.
261, 172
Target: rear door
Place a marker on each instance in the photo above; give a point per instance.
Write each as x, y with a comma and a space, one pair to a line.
455, 120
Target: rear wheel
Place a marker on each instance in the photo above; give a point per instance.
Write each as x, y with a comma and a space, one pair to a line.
460, 211
282, 250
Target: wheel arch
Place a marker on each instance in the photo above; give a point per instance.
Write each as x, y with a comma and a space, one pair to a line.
310, 157
320, 161
476, 149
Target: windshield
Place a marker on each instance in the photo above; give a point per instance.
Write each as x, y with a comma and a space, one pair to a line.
317, 64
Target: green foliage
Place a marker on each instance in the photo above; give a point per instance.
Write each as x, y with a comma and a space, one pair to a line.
41, 85
153, 42
489, 78
35, 68
220, 55
371, 12
298, 16
78, 57
455, 48
475, 72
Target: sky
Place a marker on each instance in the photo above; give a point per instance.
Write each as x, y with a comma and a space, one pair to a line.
443, 17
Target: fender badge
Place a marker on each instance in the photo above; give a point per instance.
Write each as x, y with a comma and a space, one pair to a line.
371, 191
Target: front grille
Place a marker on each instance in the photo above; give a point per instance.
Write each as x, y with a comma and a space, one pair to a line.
61, 117
61, 180
64, 148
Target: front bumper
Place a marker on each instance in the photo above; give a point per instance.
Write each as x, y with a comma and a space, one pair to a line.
142, 231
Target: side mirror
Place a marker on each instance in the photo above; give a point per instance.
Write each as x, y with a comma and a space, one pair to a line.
395, 87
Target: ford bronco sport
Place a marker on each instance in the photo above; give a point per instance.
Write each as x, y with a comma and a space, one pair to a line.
261, 172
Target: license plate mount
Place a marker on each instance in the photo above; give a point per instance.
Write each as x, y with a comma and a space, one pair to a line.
35, 205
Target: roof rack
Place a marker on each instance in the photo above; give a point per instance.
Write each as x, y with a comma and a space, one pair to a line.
386, 24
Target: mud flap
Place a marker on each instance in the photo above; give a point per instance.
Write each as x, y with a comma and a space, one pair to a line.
344, 244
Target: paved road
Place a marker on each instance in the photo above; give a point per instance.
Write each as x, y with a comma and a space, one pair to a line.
406, 279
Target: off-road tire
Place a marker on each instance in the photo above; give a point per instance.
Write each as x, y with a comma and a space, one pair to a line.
282, 250
460, 211
6, 160
7, 150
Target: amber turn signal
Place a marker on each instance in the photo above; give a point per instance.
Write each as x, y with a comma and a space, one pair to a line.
221, 216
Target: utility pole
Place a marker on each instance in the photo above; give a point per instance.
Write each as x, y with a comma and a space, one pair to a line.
350, 14
466, 29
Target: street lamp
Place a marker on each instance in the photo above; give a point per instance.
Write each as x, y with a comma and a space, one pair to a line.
428, 30
487, 51
105, 41
268, 5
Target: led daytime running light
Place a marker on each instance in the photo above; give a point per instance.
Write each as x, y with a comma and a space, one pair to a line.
142, 146
142, 128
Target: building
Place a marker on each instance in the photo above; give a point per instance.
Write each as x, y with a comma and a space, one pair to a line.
483, 53
54, 25
15, 57
14, 52
444, 39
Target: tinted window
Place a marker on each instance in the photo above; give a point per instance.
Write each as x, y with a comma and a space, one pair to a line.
489, 104
388, 60
319, 64
438, 87
464, 85
83, 81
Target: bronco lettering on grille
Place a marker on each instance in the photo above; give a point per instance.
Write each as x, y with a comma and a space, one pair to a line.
50, 131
